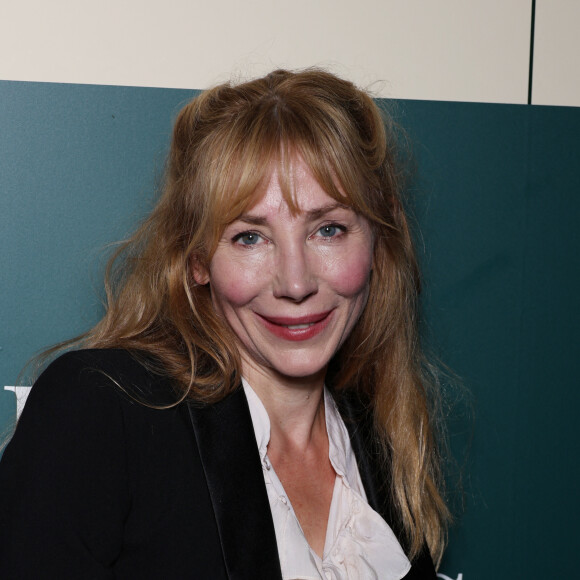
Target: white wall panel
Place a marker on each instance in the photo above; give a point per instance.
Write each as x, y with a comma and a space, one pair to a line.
422, 49
556, 78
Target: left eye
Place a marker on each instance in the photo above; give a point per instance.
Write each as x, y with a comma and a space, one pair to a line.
329, 231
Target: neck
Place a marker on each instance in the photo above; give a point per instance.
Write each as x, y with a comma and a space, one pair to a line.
295, 406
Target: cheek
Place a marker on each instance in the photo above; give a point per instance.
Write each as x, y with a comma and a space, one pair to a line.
232, 285
350, 276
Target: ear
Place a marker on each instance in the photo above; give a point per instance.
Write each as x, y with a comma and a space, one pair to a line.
199, 271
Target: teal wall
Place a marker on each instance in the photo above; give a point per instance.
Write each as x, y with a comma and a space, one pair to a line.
497, 201
499, 208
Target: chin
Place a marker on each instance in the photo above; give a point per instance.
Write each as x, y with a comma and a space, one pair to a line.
302, 369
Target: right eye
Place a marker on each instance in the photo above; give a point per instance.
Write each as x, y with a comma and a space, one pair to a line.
247, 238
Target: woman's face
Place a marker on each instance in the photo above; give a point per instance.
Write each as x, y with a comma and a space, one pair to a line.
291, 286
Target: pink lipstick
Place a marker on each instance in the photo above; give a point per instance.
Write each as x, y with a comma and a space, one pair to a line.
296, 328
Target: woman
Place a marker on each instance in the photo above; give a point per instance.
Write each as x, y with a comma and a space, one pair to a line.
193, 435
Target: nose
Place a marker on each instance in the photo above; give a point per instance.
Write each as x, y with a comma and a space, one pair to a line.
294, 274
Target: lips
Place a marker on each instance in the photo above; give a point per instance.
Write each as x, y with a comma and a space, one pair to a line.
297, 328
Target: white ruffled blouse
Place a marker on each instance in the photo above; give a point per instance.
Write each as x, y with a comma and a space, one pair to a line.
359, 544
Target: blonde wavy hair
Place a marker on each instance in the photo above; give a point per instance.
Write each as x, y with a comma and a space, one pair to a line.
224, 144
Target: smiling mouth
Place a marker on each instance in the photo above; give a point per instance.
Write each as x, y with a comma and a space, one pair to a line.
297, 328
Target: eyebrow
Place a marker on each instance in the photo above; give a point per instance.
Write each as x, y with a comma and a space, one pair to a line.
312, 214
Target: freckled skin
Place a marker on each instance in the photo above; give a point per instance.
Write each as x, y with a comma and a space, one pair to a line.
270, 263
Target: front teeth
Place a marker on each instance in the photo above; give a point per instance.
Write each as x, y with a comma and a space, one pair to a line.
299, 326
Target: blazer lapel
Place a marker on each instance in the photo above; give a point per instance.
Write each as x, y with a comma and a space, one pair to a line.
374, 475
230, 458
377, 483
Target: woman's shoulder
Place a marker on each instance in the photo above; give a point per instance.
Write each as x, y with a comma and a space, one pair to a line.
97, 461
105, 374
98, 401
93, 390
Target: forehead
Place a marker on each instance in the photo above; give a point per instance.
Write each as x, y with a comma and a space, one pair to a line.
296, 192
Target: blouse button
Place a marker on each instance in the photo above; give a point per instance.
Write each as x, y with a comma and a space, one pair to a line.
283, 500
267, 463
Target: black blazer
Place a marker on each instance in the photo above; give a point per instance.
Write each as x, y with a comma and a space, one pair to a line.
97, 485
